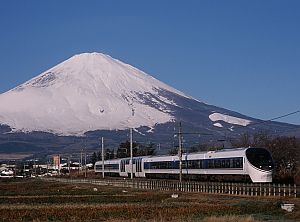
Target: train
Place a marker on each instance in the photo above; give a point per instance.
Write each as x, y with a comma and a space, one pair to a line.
236, 164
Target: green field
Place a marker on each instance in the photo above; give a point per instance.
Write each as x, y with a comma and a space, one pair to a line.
36, 200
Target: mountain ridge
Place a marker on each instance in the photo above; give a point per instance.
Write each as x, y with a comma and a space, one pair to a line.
92, 94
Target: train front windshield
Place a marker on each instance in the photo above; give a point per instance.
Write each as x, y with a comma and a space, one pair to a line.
260, 158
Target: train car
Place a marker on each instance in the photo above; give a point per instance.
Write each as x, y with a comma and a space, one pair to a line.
238, 164
111, 167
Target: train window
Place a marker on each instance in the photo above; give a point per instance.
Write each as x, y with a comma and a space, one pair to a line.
192, 164
260, 158
227, 163
210, 164
223, 164
238, 162
175, 164
98, 167
198, 164
169, 165
217, 163
153, 165
146, 166
162, 165
111, 166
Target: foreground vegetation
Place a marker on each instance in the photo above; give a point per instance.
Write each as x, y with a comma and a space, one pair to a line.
35, 200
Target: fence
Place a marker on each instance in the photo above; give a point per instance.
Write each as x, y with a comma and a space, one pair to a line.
199, 187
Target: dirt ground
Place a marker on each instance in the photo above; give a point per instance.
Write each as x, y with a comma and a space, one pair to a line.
36, 200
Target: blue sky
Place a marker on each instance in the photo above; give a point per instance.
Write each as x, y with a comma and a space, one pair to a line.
240, 55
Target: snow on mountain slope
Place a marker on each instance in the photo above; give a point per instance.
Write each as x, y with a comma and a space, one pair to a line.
228, 119
89, 91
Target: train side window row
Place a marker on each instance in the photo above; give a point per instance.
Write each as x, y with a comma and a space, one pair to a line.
225, 163
220, 163
108, 167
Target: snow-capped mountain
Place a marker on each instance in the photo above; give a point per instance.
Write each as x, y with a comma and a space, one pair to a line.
93, 92
87, 92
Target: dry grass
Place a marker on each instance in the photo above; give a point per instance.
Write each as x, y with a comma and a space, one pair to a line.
230, 219
33, 200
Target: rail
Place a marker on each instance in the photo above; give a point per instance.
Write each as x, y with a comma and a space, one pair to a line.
249, 189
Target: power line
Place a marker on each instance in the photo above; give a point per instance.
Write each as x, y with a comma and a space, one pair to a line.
279, 117
255, 124
272, 119
269, 120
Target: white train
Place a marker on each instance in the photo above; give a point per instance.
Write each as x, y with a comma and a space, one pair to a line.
224, 165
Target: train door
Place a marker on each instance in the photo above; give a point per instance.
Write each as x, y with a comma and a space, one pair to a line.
122, 168
139, 167
128, 167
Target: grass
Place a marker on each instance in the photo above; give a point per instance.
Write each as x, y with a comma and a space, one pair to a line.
36, 200
230, 219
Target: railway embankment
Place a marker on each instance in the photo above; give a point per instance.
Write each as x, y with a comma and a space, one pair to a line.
61, 199
241, 189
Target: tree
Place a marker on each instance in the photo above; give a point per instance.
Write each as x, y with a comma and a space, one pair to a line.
94, 158
109, 154
124, 150
137, 149
174, 151
146, 150
286, 155
99, 156
243, 141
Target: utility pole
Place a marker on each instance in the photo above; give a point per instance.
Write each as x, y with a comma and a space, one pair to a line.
180, 152
15, 168
34, 167
81, 159
131, 149
85, 168
131, 153
47, 165
69, 165
58, 165
102, 154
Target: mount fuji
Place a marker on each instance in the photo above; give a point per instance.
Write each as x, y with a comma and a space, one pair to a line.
87, 92
92, 93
